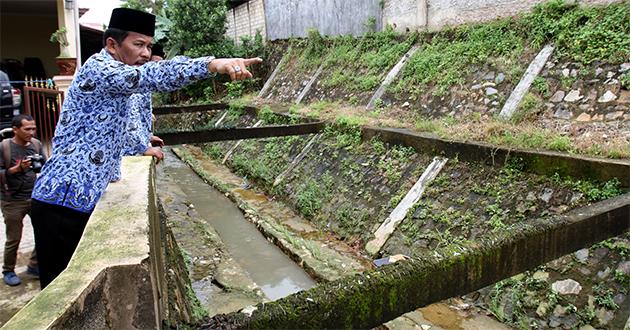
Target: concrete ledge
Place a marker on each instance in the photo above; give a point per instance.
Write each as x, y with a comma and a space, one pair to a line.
175, 109
113, 280
540, 162
374, 297
239, 133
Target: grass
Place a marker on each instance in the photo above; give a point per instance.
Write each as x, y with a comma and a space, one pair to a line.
371, 56
524, 135
581, 34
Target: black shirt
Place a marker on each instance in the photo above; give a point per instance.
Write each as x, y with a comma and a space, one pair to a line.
21, 183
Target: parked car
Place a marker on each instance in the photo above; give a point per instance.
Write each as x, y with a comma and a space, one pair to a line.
10, 101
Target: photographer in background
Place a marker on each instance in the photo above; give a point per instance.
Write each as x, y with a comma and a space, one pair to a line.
20, 159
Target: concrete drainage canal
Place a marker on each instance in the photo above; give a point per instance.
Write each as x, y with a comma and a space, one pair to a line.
387, 221
252, 262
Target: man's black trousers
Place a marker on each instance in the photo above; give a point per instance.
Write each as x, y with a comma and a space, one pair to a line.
58, 230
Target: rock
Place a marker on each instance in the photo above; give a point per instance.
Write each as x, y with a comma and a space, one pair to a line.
610, 74
546, 195
491, 91
619, 298
583, 117
500, 78
566, 287
531, 196
581, 255
604, 316
586, 327
614, 115
598, 71
611, 82
576, 197
557, 97
607, 97
541, 276
598, 117
624, 67
574, 73
624, 97
406, 104
585, 107
554, 322
570, 322
566, 72
573, 96
563, 113
542, 309
624, 267
475, 87
489, 76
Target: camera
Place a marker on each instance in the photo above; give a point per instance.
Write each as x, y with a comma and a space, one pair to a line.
37, 161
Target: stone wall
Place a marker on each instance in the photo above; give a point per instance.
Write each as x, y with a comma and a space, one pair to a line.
410, 15
246, 20
283, 19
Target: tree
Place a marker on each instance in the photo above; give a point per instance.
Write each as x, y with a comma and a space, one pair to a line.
198, 27
155, 7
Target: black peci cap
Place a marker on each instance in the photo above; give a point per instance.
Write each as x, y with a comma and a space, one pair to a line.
157, 50
132, 20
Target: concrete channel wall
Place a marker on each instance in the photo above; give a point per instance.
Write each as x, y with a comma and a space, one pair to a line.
116, 278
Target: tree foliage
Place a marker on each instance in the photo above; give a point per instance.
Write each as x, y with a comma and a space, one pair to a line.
155, 7
198, 27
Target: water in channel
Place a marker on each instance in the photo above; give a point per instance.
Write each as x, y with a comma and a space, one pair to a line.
275, 273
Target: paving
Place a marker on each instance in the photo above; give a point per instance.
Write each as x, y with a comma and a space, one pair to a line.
12, 299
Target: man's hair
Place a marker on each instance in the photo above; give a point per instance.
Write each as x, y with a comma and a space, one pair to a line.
117, 34
17, 120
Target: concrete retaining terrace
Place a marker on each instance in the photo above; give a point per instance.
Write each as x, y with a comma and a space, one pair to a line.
374, 297
239, 133
115, 279
540, 162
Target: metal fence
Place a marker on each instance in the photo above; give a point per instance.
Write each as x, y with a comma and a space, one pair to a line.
43, 100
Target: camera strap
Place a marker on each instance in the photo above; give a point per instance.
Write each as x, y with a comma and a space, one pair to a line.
6, 154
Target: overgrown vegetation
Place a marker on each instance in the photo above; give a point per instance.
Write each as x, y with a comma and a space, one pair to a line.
581, 34
360, 64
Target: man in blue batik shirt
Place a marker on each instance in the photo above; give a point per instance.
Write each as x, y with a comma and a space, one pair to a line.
89, 136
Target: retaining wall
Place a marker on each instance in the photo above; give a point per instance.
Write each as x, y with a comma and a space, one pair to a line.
284, 19
411, 15
116, 278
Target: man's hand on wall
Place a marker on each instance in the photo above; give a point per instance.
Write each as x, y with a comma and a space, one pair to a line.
156, 141
156, 153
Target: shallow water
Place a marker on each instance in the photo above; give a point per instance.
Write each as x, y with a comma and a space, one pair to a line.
275, 273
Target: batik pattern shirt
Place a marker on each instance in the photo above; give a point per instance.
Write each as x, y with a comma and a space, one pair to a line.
138, 132
88, 139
